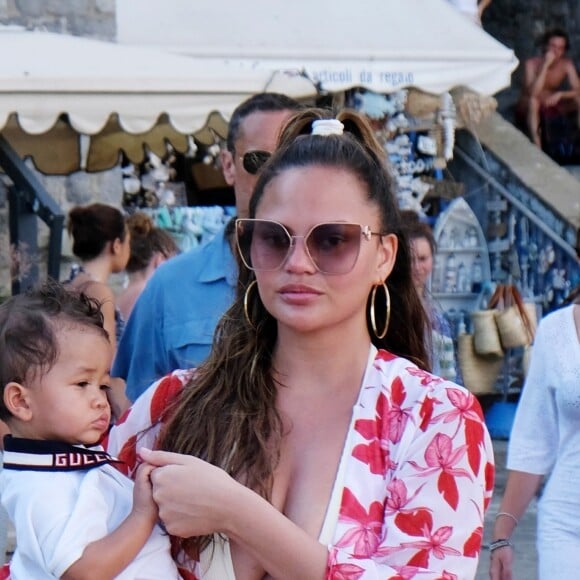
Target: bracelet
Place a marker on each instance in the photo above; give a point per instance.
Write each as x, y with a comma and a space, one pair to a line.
508, 515
502, 543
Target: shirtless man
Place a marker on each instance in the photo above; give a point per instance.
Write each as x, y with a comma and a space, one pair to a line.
543, 80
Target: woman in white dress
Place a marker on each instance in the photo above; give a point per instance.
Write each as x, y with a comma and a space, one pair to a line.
545, 439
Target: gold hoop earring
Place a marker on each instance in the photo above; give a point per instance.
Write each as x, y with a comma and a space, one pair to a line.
387, 306
246, 301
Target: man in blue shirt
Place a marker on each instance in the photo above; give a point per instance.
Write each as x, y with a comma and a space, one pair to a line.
173, 321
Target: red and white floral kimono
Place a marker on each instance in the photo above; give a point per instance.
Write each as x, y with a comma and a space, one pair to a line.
415, 477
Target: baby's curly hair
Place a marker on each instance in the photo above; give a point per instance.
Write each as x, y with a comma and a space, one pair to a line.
28, 326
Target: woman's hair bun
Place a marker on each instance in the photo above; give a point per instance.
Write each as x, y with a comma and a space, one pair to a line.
140, 224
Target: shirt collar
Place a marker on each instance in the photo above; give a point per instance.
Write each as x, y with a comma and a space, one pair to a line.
220, 262
42, 455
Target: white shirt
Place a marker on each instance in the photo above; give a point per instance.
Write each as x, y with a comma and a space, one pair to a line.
56, 514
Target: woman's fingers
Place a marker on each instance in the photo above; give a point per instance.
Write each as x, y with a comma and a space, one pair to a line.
194, 497
144, 471
162, 458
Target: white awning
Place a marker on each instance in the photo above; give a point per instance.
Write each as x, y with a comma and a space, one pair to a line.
128, 97
383, 45
54, 87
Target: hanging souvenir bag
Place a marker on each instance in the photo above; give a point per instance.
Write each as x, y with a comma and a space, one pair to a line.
479, 372
516, 320
486, 339
507, 323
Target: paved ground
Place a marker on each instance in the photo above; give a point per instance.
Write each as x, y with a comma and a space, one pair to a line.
524, 537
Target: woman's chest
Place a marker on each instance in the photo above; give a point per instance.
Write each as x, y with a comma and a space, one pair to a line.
307, 472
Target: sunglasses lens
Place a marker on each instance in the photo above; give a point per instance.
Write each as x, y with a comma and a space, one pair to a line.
334, 248
263, 245
253, 161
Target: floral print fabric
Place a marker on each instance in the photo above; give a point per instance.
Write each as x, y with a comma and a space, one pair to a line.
418, 479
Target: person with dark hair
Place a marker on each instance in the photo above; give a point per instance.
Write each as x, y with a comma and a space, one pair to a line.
544, 92
101, 241
151, 246
314, 442
173, 321
439, 334
74, 514
423, 248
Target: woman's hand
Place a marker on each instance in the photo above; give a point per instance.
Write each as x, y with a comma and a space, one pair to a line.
194, 497
501, 564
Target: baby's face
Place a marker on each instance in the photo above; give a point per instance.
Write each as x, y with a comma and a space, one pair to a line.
69, 402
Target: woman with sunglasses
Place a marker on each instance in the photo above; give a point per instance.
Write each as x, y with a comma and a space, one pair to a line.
314, 442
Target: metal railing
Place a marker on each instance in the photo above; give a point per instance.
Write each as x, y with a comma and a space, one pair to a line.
537, 249
28, 201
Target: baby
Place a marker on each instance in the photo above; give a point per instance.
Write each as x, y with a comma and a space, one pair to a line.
75, 515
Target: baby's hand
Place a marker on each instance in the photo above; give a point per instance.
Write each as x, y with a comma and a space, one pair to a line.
143, 503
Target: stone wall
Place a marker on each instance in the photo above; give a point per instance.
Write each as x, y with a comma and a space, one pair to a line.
93, 18
519, 23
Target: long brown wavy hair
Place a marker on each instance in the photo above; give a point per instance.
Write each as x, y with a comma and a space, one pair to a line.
227, 413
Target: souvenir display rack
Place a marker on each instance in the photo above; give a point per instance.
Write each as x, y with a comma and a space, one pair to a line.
417, 147
461, 270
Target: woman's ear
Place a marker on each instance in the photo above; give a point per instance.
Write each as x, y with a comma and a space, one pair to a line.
116, 246
387, 255
157, 259
16, 400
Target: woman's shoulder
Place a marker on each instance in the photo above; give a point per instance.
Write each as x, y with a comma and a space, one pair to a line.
100, 291
402, 379
423, 401
161, 394
140, 425
93, 288
553, 321
166, 390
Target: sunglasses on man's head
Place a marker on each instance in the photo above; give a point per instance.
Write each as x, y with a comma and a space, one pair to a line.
253, 161
332, 247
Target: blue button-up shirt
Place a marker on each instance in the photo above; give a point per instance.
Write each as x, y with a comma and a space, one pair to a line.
173, 322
